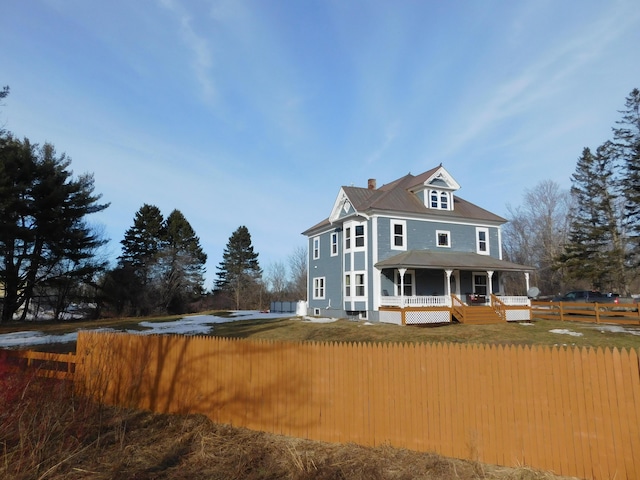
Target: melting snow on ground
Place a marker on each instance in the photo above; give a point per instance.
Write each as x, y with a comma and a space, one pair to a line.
564, 331
192, 325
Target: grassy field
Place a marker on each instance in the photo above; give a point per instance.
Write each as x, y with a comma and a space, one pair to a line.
537, 332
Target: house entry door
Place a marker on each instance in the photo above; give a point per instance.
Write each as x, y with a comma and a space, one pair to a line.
480, 283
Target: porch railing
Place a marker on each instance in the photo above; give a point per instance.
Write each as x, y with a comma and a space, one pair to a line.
417, 301
514, 301
445, 301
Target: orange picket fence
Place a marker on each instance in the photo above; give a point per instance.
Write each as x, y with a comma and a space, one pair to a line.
572, 411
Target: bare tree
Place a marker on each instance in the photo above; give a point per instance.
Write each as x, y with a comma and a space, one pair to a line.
537, 231
277, 280
298, 273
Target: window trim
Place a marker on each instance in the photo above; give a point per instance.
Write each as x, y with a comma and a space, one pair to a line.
319, 288
316, 248
362, 285
487, 249
362, 236
335, 249
439, 199
351, 237
351, 287
393, 235
443, 232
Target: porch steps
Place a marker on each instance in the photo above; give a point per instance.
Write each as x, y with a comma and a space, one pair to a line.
477, 315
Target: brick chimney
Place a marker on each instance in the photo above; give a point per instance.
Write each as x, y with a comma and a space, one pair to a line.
371, 185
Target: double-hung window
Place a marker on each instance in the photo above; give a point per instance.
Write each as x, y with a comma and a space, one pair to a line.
359, 237
318, 288
354, 284
482, 240
334, 244
398, 235
359, 284
354, 236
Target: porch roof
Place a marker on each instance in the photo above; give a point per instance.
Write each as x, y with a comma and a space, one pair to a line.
450, 260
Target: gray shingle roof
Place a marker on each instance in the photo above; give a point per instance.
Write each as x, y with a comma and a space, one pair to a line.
449, 260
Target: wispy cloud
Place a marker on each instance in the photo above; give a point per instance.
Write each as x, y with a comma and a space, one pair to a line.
199, 47
553, 73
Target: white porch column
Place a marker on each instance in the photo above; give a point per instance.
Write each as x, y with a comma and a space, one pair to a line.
526, 281
402, 271
489, 282
447, 287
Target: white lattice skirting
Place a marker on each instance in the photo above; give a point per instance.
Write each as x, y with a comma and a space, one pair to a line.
518, 315
413, 318
391, 317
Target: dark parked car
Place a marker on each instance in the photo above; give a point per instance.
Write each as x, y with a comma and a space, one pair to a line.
593, 296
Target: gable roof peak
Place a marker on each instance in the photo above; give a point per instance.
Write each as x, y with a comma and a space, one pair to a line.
436, 177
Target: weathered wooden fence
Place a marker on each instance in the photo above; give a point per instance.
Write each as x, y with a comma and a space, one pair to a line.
621, 314
50, 365
567, 410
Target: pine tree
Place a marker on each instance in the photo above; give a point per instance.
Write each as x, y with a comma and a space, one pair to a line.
182, 263
162, 264
239, 272
45, 241
627, 143
594, 233
143, 240
141, 246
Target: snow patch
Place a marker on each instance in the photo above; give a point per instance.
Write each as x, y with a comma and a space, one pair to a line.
564, 331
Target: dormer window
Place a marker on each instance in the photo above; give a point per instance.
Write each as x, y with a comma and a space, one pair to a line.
444, 200
439, 199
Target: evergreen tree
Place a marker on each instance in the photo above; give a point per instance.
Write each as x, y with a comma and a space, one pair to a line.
181, 263
161, 266
627, 143
44, 237
239, 272
143, 240
594, 233
141, 245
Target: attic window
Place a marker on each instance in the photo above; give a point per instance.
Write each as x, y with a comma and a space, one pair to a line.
439, 199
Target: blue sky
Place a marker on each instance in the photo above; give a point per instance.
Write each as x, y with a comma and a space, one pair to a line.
256, 112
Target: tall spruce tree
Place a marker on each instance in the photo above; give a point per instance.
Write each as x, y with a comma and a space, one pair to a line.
143, 241
45, 240
181, 263
627, 144
594, 232
239, 272
161, 266
132, 283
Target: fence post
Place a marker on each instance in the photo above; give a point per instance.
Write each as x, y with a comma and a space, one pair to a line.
595, 305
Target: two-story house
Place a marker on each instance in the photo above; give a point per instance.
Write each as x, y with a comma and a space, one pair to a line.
411, 251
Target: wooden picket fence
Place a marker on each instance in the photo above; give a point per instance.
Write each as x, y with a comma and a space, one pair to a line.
572, 411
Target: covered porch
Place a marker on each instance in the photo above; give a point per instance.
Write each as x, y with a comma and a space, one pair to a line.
464, 287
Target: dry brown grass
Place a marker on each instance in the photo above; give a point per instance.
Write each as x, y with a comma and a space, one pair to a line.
47, 432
